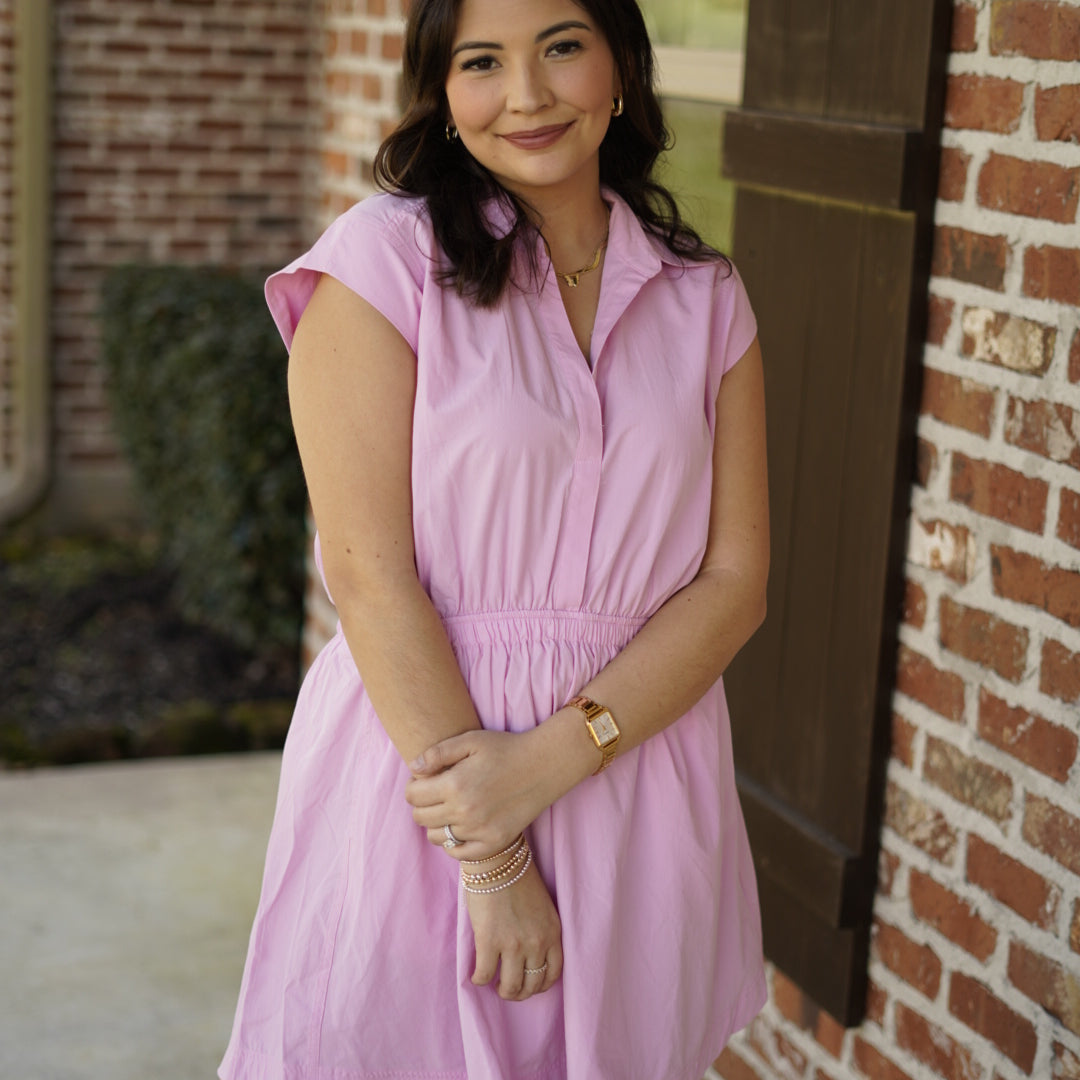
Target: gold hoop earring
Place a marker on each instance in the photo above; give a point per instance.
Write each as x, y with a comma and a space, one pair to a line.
451, 132
617, 105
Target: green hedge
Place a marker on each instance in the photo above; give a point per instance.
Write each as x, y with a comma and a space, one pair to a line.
197, 381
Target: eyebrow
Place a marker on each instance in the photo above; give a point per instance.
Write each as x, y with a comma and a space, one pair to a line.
551, 31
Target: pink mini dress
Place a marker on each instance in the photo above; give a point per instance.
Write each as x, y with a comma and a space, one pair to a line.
555, 509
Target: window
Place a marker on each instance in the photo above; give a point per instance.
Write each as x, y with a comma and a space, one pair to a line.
699, 51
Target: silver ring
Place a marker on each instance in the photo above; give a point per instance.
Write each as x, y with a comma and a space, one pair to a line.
451, 840
537, 971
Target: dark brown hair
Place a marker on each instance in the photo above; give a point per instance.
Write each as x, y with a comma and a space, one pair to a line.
417, 159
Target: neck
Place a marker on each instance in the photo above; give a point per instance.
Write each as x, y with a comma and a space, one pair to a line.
573, 232
572, 221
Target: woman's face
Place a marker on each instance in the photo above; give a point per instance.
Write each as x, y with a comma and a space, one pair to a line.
530, 90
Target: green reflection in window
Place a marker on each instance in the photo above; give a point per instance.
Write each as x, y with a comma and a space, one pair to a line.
696, 24
691, 169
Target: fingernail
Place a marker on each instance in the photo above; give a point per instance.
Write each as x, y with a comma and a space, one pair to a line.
418, 764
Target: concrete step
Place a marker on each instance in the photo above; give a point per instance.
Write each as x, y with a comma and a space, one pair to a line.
126, 897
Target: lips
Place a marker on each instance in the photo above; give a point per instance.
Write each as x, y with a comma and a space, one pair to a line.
539, 138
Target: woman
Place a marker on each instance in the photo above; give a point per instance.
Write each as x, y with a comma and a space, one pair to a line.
529, 406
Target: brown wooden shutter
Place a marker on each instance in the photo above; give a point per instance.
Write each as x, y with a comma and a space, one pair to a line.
835, 155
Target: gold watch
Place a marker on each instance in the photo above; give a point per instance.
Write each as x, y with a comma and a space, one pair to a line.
601, 727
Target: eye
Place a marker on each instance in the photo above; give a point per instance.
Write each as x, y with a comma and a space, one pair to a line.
566, 47
479, 63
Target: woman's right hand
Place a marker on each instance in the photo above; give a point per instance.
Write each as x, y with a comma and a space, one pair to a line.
516, 928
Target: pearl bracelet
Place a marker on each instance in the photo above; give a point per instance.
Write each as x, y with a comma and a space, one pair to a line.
506, 884
489, 877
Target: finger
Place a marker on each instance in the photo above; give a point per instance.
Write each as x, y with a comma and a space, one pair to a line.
425, 792
431, 817
554, 968
535, 974
486, 962
511, 976
442, 755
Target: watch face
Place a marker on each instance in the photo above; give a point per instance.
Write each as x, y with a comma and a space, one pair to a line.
604, 727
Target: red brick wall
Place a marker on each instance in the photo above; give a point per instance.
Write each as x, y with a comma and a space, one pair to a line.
975, 971
183, 133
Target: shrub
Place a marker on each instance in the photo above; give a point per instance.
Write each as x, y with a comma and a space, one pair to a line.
197, 384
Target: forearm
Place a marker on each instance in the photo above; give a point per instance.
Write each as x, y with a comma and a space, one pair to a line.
662, 673
405, 661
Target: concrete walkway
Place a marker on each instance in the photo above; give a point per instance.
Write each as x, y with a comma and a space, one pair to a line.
126, 897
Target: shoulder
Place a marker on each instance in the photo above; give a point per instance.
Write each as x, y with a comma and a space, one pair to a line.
400, 221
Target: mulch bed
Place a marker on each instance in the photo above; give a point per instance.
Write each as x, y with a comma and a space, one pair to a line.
96, 664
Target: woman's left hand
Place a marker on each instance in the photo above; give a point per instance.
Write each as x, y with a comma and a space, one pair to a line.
485, 784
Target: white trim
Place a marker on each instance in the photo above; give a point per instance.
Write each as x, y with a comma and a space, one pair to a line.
702, 74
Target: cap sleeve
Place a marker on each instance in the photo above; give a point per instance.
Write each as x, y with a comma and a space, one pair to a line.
374, 249
734, 324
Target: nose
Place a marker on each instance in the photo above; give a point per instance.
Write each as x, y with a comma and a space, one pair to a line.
527, 92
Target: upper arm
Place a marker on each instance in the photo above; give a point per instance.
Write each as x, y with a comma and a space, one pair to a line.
352, 381
739, 514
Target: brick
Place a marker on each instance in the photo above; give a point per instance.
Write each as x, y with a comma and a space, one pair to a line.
876, 1002
888, 866
1068, 528
968, 780
1052, 273
960, 402
1048, 983
951, 916
983, 103
942, 691
1057, 113
968, 256
937, 545
914, 963
914, 610
806, 1014
1007, 340
1012, 883
926, 462
1037, 189
983, 638
1053, 831
999, 492
1065, 1065
933, 1047
939, 319
1074, 358
1041, 29
1059, 672
963, 28
732, 1067
903, 740
984, 1012
1031, 739
873, 1064
1046, 428
1027, 580
776, 1050
953, 174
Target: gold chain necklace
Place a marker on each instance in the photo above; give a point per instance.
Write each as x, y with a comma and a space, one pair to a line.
572, 279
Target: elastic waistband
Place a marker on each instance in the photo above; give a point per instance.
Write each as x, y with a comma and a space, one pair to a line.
517, 627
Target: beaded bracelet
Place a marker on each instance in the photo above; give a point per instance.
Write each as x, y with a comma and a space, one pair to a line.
514, 845
506, 884
489, 877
